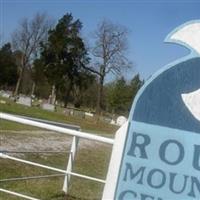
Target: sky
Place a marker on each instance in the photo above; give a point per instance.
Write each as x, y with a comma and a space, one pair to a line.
148, 22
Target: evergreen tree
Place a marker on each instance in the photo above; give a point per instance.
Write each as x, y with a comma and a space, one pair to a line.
64, 56
8, 68
135, 85
120, 95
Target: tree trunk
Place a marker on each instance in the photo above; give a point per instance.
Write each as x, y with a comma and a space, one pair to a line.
53, 95
19, 80
66, 96
66, 100
99, 97
33, 89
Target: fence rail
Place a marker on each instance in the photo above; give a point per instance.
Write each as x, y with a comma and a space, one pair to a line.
60, 129
31, 178
17, 194
68, 131
32, 152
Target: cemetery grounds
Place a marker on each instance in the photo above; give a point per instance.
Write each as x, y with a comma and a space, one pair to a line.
92, 157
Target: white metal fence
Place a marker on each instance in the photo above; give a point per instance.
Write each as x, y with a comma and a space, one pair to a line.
66, 173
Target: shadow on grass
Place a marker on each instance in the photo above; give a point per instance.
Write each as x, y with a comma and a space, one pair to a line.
68, 197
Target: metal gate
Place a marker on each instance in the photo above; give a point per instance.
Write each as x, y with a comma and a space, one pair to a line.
51, 126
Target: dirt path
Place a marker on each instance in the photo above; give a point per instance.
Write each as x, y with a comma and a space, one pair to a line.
39, 140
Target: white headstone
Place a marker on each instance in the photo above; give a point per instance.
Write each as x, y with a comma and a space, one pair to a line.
121, 120
2, 102
113, 122
49, 107
5, 94
23, 100
89, 114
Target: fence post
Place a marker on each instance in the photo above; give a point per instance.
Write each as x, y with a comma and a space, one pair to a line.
70, 163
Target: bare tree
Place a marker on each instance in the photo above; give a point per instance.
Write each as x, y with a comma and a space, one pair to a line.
109, 53
27, 38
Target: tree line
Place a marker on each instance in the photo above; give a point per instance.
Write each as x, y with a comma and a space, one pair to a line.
52, 61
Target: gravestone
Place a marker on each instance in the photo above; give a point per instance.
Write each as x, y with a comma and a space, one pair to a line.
89, 114
121, 120
79, 113
48, 106
67, 111
2, 102
24, 100
113, 122
156, 154
5, 94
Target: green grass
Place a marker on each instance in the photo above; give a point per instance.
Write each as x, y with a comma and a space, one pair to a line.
91, 161
86, 163
89, 125
9, 126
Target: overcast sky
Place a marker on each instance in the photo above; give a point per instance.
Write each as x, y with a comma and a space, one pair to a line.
149, 23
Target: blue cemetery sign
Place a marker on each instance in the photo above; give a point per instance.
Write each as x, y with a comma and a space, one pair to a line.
160, 155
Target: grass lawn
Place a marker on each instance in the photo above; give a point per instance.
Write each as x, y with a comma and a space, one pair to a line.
88, 125
92, 161
86, 163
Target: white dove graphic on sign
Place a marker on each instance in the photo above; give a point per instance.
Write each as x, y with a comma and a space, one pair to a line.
189, 36
192, 102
